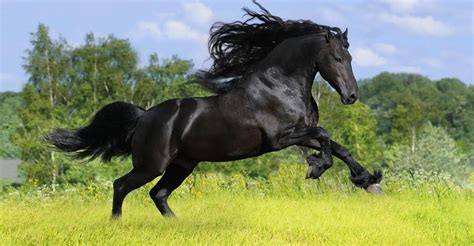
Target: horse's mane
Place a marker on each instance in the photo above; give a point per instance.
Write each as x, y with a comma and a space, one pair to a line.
235, 47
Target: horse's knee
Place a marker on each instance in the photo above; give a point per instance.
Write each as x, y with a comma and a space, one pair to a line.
118, 184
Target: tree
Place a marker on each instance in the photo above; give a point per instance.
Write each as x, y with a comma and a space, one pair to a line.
10, 104
44, 96
67, 85
446, 103
407, 118
435, 152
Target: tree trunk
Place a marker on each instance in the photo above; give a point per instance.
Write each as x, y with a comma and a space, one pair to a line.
50, 78
51, 101
413, 139
94, 80
55, 172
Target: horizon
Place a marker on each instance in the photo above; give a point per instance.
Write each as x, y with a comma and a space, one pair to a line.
430, 38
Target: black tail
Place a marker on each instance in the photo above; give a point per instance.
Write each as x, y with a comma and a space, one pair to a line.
109, 134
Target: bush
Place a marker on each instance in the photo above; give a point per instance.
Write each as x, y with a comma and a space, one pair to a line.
435, 153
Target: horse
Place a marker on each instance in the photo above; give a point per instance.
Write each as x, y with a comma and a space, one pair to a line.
265, 105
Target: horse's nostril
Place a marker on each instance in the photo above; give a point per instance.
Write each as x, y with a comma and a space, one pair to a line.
353, 97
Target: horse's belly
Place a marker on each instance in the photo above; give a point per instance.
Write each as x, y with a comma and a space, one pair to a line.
220, 144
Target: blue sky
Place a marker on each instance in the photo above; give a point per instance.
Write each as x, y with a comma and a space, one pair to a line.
433, 38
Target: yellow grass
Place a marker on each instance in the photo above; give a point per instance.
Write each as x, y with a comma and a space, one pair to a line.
226, 218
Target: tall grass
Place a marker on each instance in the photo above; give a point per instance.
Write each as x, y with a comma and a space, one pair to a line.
421, 209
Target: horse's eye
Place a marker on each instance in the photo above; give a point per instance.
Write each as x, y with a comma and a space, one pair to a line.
338, 59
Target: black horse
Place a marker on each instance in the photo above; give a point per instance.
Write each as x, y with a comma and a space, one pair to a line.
266, 105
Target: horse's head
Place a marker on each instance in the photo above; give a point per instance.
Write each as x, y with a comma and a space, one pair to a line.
334, 64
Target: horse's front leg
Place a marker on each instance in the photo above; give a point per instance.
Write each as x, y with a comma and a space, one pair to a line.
360, 177
319, 163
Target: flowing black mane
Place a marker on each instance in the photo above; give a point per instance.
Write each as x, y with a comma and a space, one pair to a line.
235, 47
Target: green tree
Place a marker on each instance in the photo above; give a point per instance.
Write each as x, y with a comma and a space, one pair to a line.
43, 96
69, 84
446, 103
407, 118
10, 105
435, 152
102, 70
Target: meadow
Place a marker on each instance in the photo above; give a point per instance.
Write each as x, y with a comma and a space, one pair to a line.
220, 209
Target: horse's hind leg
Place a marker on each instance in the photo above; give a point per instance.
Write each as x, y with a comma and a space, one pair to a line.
131, 181
174, 176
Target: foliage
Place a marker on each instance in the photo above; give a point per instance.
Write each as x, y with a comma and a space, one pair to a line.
404, 102
10, 103
69, 84
435, 152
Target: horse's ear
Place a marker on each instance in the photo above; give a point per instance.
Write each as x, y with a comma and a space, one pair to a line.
344, 34
328, 36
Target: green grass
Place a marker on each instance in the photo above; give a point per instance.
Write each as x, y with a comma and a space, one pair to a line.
227, 219
212, 209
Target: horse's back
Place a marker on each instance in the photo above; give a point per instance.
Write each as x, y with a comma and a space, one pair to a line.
201, 129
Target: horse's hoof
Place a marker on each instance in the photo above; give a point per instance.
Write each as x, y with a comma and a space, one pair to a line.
375, 189
115, 216
314, 172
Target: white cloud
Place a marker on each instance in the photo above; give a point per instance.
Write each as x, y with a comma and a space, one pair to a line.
197, 12
406, 69
425, 25
366, 57
179, 30
146, 29
384, 48
171, 29
402, 6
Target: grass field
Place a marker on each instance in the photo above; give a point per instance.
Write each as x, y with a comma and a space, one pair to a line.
210, 214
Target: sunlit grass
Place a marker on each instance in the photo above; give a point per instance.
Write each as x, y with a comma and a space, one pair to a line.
227, 219
223, 210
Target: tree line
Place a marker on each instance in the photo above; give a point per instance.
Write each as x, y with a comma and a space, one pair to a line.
403, 122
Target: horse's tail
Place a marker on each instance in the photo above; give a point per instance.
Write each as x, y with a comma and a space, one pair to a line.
109, 133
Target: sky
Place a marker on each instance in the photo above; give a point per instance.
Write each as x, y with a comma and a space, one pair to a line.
433, 38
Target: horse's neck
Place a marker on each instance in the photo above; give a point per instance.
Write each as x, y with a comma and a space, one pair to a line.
288, 70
